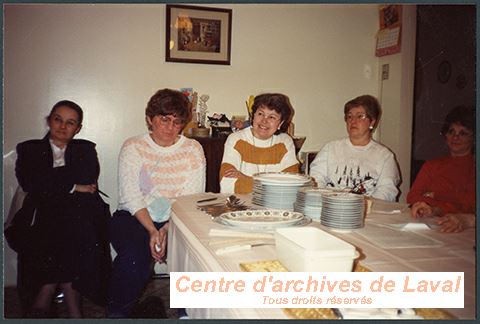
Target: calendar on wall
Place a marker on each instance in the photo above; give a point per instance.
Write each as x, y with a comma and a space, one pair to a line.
389, 35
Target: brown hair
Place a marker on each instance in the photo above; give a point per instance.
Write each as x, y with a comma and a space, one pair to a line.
278, 102
169, 102
369, 103
462, 115
69, 104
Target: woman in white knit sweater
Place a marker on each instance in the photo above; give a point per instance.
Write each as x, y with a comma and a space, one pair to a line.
154, 168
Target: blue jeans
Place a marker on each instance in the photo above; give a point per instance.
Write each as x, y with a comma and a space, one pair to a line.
133, 265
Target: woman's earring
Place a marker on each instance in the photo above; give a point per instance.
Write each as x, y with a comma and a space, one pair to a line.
370, 127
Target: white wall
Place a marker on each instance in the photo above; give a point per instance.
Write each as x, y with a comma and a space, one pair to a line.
397, 98
110, 59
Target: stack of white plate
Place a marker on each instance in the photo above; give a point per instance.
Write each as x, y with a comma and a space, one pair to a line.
278, 189
309, 202
343, 211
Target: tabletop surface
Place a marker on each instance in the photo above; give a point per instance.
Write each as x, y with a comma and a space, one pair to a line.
192, 248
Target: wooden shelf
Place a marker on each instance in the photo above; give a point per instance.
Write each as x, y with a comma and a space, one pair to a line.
213, 149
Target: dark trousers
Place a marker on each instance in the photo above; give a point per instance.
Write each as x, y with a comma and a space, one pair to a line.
132, 267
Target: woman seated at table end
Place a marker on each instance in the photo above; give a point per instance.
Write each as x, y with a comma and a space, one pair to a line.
154, 168
358, 162
263, 147
65, 246
445, 186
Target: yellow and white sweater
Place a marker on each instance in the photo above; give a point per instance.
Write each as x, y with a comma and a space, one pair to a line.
251, 155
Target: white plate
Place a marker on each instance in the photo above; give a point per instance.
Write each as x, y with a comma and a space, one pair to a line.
315, 192
274, 205
342, 197
341, 225
254, 216
276, 188
282, 178
343, 208
263, 227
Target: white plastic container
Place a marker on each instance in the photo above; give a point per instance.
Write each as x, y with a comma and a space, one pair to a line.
309, 249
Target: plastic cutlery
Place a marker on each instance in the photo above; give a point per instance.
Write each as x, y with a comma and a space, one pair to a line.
239, 247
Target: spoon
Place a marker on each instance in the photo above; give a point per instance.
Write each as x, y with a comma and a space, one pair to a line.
233, 200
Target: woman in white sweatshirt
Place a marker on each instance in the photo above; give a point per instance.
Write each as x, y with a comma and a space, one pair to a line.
358, 162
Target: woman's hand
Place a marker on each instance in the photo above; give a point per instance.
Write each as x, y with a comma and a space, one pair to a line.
158, 243
421, 209
455, 223
233, 173
158, 238
91, 188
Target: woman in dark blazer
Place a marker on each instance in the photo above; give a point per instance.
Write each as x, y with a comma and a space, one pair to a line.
66, 247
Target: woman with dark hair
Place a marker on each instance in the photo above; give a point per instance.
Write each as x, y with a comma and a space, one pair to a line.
154, 168
447, 185
263, 147
358, 162
67, 247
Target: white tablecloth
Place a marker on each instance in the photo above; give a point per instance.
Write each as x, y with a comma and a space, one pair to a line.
190, 249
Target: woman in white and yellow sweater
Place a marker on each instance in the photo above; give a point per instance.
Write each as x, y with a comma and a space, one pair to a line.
263, 147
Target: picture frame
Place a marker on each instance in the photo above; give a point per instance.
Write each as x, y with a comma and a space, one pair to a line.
196, 34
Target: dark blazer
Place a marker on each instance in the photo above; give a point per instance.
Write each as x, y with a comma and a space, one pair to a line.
79, 218
36, 175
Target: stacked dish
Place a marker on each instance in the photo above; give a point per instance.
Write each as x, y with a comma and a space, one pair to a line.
309, 202
343, 211
278, 189
262, 220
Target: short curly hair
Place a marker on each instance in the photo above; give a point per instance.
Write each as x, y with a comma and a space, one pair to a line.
278, 102
169, 102
369, 103
462, 115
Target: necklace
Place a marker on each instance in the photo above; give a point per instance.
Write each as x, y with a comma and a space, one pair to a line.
264, 165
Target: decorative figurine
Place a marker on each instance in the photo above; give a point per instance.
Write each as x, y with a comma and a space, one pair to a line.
202, 110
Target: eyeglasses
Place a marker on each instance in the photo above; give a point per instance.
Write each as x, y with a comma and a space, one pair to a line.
462, 134
350, 117
165, 121
70, 123
271, 118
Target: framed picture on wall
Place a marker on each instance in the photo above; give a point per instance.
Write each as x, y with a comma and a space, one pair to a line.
197, 34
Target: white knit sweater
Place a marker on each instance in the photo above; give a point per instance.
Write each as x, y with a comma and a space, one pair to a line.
146, 169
